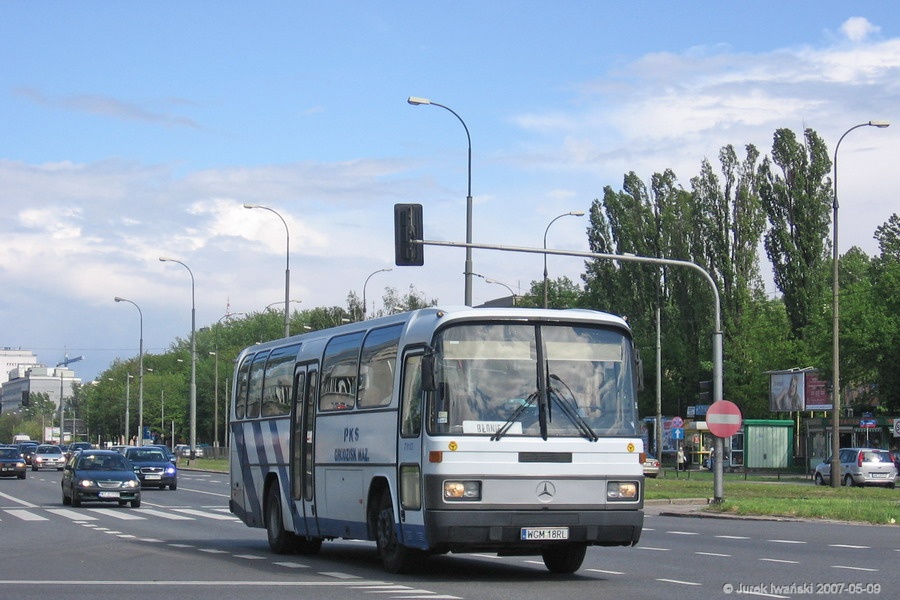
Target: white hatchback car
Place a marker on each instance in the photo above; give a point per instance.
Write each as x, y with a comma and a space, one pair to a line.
860, 466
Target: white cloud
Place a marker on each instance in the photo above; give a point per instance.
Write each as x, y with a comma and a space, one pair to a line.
858, 29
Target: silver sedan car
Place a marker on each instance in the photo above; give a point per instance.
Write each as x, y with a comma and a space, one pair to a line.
48, 456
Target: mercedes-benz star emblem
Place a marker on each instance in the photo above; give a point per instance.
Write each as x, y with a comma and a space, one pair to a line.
546, 491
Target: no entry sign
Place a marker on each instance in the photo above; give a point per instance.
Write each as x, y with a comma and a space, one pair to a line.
723, 418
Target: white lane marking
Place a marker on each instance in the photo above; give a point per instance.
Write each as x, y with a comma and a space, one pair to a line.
71, 514
854, 568
778, 560
291, 565
683, 532
17, 501
165, 515
207, 515
118, 514
679, 582
25, 515
712, 554
733, 537
786, 541
851, 546
606, 572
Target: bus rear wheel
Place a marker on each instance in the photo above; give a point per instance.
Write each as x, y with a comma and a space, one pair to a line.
565, 558
396, 557
280, 541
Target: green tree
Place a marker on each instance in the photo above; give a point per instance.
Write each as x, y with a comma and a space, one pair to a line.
796, 195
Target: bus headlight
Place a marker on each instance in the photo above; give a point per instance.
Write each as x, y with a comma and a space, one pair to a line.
455, 491
410, 486
621, 491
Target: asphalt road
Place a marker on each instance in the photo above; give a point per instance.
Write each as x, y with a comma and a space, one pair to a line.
186, 544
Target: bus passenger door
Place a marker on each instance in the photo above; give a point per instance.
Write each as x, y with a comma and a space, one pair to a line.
409, 452
303, 507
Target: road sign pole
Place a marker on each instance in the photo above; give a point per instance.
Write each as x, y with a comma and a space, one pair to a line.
724, 420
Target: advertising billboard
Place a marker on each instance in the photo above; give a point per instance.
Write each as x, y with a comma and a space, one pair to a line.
798, 390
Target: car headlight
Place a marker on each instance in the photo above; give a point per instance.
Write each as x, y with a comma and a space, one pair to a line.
86, 483
130, 483
20, 463
621, 491
170, 470
455, 491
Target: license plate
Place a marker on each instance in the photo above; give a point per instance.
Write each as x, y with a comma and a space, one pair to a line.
544, 534
109, 494
879, 474
152, 476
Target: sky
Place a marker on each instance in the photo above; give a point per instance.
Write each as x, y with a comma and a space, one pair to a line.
131, 131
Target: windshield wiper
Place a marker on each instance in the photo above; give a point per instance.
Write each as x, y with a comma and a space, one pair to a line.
516, 413
570, 409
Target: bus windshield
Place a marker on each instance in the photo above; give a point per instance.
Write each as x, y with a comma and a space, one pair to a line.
543, 379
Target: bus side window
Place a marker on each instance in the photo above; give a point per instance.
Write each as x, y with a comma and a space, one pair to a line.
240, 394
376, 366
340, 368
254, 391
412, 397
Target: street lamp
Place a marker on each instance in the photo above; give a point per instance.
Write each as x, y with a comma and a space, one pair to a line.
574, 213
193, 411
140, 372
511, 292
836, 366
489, 280
287, 267
468, 272
364, 289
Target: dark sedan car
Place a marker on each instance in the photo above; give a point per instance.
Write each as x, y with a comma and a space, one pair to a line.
26, 451
100, 476
153, 467
11, 463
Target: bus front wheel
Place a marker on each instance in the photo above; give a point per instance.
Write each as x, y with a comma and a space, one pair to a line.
396, 557
564, 559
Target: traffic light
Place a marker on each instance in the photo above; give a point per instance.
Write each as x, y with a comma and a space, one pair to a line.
408, 227
705, 395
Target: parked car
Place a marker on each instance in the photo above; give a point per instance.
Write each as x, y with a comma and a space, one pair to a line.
153, 467
48, 456
11, 463
651, 466
100, 476
184, 451
860, 466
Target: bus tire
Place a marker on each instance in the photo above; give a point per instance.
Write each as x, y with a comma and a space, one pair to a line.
307, 546
565, 558
395, 557
280, 541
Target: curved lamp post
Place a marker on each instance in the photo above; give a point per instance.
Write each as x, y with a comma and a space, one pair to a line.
287, 267
415, 101
836, 365
364, 289
140, 376
574, 213
489, 280
193, 454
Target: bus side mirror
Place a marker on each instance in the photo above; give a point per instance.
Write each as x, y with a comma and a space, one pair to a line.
428, 371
